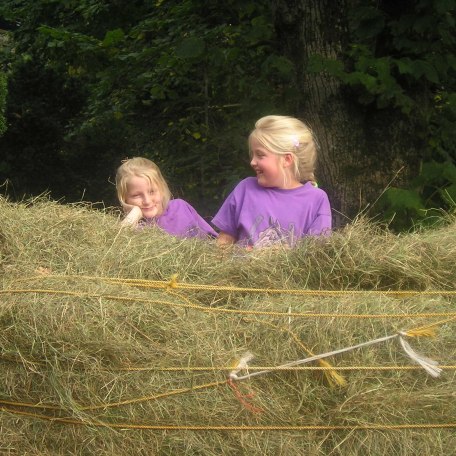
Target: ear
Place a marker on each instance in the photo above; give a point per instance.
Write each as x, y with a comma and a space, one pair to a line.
288, 160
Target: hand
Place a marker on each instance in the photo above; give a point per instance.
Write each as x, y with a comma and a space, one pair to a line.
134, 215
225, 239
127, 208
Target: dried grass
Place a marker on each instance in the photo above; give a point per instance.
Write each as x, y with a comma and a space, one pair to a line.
88, 343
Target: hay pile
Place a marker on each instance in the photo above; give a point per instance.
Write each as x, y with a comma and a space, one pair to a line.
105, 348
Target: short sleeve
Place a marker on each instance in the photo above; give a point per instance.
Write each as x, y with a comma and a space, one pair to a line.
322, 223
226, 218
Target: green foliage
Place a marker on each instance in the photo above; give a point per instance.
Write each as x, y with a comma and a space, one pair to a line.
179, 81
32, 147
402, 57
182, 82
3, 92
431, 194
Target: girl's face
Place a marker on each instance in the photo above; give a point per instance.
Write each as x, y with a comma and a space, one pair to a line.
147, 196
267, 165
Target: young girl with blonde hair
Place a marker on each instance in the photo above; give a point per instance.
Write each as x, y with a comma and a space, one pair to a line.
146, 200
282, 203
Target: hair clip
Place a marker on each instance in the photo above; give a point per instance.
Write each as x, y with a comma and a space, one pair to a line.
124, 160
295, 140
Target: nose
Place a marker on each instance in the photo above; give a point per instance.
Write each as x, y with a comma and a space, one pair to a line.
253, 162
147, 198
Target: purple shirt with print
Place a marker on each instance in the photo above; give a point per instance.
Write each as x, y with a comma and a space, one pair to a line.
263, 216
181, 219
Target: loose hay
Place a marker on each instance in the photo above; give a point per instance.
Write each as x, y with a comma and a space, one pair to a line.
93, 362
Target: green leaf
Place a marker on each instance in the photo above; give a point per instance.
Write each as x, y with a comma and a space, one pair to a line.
190, 48
449, 172
448, 194
3, 92
367, 21
433, 171
401, 199
157, 92
261, 29
113, 37
283, 65
422, 67
404, 66
368, 81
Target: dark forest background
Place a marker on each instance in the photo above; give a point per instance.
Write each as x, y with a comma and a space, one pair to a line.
86, 83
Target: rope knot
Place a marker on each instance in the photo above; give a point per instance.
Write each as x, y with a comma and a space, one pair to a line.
242, 364
172, 282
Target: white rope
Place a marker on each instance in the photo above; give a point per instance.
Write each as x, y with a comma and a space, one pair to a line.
428, 364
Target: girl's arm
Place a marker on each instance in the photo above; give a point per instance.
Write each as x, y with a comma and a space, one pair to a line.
225, 239
133, 216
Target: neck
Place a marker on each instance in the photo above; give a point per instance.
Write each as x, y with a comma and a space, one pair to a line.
290, 184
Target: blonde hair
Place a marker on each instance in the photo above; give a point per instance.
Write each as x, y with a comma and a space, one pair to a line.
284, 135
141, 167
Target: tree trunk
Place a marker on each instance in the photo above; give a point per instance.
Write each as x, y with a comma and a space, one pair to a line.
358, 153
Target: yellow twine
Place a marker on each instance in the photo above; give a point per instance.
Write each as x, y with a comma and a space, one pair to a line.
260, 428
333, 379
174, 284
229, 311
235, 363
153, 398
327, 366
423, 331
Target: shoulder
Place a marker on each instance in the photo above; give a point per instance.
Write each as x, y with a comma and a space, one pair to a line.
316, 192
317, 198
247, 184
245, 190
177, 204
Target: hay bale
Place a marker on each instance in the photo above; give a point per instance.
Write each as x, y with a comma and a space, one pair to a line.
102, 350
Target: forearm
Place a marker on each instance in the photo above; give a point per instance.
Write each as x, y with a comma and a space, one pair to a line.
133, 217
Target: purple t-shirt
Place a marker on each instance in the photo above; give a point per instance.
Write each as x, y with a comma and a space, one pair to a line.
263, 216
181, 219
